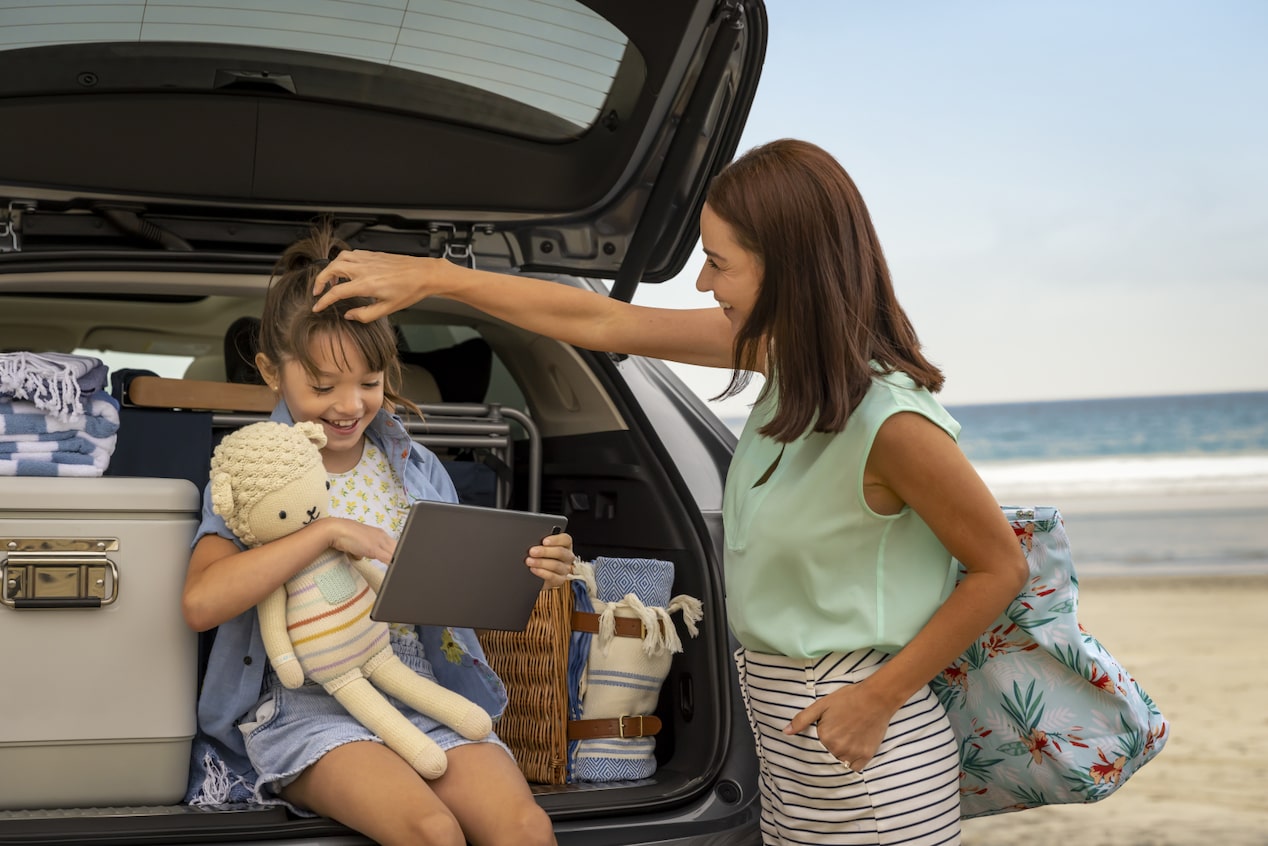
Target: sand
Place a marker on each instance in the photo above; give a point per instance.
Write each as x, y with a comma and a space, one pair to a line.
1199, 646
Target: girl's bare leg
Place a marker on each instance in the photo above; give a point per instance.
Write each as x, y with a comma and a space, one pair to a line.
370, 788
482, 797
487, 793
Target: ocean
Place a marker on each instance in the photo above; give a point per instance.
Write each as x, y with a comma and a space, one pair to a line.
1146, 484
1212, 443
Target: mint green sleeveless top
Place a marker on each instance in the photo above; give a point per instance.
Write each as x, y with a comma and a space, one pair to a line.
810, 569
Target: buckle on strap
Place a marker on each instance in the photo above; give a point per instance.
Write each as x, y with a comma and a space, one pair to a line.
626, 726
620, 725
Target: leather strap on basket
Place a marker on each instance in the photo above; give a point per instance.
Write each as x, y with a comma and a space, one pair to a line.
584, 621
626, 726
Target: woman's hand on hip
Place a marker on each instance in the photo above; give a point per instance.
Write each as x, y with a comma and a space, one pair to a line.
852, 723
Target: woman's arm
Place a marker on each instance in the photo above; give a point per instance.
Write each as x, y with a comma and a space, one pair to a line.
583, 318
915, 462
223, 581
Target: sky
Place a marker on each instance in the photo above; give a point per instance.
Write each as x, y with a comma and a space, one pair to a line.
1072, 196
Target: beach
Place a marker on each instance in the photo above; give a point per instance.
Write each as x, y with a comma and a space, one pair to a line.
1165, 501
1197, 642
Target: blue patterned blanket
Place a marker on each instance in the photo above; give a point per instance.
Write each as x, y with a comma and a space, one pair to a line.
35, 443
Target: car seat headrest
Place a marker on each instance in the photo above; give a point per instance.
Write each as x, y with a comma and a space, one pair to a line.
462, 371
242, 341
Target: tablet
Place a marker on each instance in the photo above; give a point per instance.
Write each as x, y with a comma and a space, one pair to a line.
463, 565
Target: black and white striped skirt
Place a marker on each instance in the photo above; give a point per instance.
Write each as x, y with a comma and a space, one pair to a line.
907, 794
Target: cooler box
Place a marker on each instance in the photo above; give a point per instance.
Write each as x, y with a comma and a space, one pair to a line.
99, 671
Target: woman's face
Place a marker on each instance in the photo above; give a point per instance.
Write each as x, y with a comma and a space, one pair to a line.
343, 397
731, 273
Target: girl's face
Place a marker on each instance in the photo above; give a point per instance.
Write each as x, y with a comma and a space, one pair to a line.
343, 397
731, 273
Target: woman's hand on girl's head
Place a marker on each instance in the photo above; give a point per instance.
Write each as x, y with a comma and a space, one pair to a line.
393, 281
359, 540
552, 560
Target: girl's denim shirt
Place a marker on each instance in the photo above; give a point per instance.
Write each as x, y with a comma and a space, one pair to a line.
237, 662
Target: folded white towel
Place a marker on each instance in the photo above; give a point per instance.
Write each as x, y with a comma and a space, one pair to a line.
55, 382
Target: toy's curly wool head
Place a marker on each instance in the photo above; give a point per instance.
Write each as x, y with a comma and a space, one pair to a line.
273, 464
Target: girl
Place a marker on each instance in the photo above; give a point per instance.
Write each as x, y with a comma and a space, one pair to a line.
846, 498
299, 747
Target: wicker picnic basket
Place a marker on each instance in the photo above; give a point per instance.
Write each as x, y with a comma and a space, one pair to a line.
534, 666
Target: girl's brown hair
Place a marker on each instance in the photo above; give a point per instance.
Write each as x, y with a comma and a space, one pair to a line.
826, 306
289, 326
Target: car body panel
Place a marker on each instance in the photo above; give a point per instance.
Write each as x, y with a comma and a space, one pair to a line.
193, 129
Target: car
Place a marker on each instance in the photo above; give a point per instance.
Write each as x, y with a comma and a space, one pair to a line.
158, 159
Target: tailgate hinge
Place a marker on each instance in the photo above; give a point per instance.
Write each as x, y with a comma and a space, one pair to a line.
457, 243
11, 225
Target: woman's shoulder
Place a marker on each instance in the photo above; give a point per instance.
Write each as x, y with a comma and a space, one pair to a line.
897, 386
894, 392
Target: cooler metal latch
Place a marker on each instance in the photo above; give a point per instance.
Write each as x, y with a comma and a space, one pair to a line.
44, 573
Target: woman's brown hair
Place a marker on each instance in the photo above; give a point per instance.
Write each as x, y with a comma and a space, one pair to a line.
289, 326
826, 307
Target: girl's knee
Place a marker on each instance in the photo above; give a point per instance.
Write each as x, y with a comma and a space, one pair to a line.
533, 827
433, 828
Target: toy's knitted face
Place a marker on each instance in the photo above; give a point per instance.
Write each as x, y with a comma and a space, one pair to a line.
268, 480
290, 508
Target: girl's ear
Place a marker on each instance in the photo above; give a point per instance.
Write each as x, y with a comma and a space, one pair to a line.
267, 370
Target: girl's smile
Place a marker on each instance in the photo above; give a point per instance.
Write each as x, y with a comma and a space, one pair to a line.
343, 395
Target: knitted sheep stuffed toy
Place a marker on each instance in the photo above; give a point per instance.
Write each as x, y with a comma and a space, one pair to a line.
268, 480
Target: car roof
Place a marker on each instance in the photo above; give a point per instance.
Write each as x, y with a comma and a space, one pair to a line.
567, 136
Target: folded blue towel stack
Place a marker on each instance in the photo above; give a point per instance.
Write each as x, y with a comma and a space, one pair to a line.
56, 419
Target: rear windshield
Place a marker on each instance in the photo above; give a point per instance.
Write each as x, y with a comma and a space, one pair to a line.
554, 57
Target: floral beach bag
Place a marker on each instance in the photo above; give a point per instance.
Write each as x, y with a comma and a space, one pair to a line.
1043, 713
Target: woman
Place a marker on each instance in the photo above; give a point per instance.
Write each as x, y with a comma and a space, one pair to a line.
846, 499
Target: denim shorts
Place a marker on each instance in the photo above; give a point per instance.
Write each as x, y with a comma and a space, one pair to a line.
287, 730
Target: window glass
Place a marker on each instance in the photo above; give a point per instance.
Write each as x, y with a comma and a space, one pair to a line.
167, 366
427, 337
552, 55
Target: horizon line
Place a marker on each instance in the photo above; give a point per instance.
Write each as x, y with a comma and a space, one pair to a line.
1108, 398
